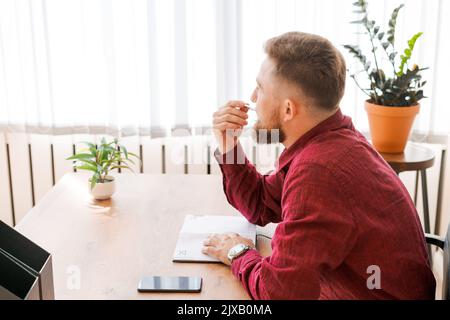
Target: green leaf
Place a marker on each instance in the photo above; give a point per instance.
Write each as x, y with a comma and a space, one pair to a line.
129, 160
87, 167
105, 156
353, 49
408, 52
361, 4
80, 156
358, 21
133, 155
87, 161
93, 151
89, 144
393, 23
94, 180
121, 167
124, 150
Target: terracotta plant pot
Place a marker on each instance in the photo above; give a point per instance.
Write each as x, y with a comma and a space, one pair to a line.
390, 126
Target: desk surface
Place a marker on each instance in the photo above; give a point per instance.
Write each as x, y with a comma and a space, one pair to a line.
111, 244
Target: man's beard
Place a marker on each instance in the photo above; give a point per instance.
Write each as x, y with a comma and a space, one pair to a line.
267, 134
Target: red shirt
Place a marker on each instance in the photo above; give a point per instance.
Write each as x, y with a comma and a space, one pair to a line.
342, 212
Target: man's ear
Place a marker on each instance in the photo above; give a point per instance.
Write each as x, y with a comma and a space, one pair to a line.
289, 110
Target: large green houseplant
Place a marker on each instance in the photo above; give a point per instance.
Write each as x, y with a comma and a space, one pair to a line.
101, 160
394, 95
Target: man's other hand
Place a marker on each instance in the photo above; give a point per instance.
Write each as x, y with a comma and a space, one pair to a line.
228, 122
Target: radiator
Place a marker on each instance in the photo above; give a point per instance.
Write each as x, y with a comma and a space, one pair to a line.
31, 164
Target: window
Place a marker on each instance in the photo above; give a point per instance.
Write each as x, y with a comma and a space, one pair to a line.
146, 66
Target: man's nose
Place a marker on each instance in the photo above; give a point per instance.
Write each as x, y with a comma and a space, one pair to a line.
253, 97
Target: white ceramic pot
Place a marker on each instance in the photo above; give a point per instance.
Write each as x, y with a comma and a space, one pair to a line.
103, 190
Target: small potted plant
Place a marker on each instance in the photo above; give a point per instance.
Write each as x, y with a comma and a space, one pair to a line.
393, 96
101, 160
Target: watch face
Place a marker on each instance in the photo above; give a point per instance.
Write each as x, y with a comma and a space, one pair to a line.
236, 250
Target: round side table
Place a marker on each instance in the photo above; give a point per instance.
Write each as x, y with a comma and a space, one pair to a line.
415, 158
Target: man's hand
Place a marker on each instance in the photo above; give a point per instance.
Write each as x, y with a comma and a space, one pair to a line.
228, 122
218, 245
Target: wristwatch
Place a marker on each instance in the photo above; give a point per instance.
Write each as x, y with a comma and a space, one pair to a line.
237, 251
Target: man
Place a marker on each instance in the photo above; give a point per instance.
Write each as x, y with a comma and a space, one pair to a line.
347, 228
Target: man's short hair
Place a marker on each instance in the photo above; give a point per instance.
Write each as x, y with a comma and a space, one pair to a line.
311, 62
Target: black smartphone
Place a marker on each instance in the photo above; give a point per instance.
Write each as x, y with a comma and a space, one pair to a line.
170, 284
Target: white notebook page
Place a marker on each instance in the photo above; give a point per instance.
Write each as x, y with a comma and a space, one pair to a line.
197, 228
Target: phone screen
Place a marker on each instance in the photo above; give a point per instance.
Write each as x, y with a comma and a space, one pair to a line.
170, 284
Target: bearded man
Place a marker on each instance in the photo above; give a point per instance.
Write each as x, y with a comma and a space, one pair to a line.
343, 214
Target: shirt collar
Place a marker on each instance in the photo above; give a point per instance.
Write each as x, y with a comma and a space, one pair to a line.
336, 121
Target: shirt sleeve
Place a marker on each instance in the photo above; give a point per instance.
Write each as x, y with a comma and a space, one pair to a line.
257, 197
316, 235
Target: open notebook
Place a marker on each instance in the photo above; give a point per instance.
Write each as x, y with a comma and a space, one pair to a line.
197, 228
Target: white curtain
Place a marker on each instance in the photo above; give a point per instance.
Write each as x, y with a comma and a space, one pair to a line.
149, 66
